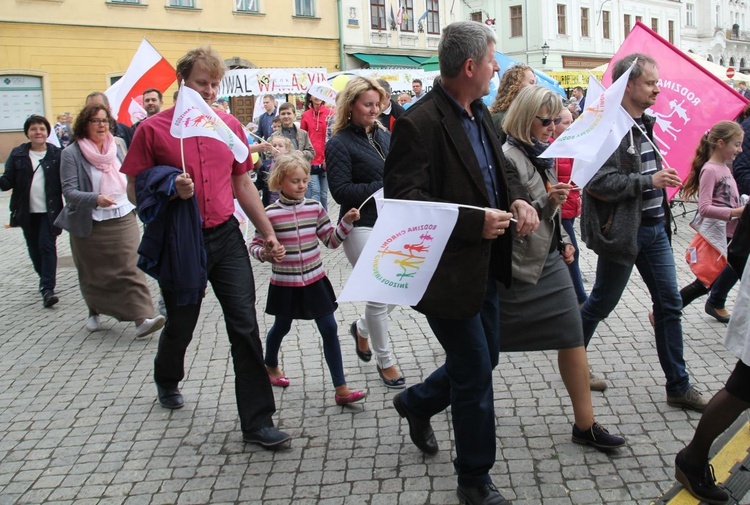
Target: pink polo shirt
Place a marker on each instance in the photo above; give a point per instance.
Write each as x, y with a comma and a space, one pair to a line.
209, 162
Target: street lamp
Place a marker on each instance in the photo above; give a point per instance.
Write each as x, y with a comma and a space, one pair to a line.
545, 53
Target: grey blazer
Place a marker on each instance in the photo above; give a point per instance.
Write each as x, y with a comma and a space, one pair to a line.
80, 198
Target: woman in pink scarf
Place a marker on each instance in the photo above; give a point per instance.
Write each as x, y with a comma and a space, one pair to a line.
104, 233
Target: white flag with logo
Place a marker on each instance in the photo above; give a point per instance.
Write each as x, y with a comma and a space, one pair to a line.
193, 117
594, 125
583, 171
402, 253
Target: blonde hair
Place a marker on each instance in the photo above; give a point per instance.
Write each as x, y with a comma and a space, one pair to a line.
526, 107
510, 85
283, 166
350, 94
287, 143
210, 58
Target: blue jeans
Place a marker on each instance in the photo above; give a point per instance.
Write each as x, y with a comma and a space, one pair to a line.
317, 189
331, 348
41, 243
574, 268
655, 263
231, 277
464, 383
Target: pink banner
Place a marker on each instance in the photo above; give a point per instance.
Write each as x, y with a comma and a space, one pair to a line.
691, 100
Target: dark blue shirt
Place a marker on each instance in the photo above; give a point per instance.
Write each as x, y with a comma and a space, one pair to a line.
481, 144
264, 124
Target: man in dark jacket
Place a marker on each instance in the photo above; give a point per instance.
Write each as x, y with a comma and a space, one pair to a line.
741, 165
444, 148
626, 222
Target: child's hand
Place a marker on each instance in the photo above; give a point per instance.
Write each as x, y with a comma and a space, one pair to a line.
569, 254
351, 216
273, 250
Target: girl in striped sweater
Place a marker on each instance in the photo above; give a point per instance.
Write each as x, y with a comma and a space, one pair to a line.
299, 286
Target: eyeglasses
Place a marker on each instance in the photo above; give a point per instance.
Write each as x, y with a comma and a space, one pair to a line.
546, 121
96, 120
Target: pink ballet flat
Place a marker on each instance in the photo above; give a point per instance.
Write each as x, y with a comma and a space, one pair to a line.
281, 382
352, 397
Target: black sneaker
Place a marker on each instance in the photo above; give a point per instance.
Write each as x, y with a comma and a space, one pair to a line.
597, 436
482, 495
700, 481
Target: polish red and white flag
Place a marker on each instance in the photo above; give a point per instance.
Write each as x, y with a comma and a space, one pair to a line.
148, 69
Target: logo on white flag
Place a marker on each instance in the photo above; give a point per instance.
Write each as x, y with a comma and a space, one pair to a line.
194, 118
398, 260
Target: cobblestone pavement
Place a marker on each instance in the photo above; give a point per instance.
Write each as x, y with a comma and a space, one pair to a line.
79, 422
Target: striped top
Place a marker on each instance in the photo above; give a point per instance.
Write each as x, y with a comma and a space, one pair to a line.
298, 225
653, 198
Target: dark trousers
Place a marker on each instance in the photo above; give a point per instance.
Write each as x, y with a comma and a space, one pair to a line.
41, 242
464, 382
231, 277
331, 348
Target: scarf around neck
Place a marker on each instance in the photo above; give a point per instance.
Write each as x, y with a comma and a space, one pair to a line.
112, 182
532, 152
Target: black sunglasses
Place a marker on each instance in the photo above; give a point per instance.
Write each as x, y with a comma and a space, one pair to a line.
546, 121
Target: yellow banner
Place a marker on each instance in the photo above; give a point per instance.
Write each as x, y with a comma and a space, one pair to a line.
573, 78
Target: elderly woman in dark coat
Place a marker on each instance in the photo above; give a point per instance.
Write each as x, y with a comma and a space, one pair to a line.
32, 171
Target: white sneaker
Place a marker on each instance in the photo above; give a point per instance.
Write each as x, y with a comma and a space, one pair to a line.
149, 326
93, 323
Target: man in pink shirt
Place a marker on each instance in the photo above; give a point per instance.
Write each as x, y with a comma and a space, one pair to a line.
215, 178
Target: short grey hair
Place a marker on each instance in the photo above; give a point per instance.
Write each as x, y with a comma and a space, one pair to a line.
385, 85
622, 65
460, 41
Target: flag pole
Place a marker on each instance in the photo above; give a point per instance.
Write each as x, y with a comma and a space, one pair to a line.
182, 155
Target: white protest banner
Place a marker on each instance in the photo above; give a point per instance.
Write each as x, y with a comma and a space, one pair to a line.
402, 253
274, 81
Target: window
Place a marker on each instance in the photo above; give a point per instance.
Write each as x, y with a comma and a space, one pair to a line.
655, 24
605, 24
304, 8
182, 3
24, 96
718, 15
670, 24
639, 19
690, 15
584, 22
377, 15
476, 16
516, 21
408, 24
433, 17
247, 6
626, 23
125, 1
561, 19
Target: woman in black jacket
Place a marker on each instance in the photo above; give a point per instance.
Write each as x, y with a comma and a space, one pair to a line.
32, 171
355, 157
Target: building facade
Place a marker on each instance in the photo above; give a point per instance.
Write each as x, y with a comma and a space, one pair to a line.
55, 52
718, 31
566, 37
393, 34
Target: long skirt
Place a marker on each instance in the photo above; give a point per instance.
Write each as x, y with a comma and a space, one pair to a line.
110, 281
541, 316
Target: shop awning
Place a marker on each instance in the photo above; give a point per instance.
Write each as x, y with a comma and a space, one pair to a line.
390, 60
